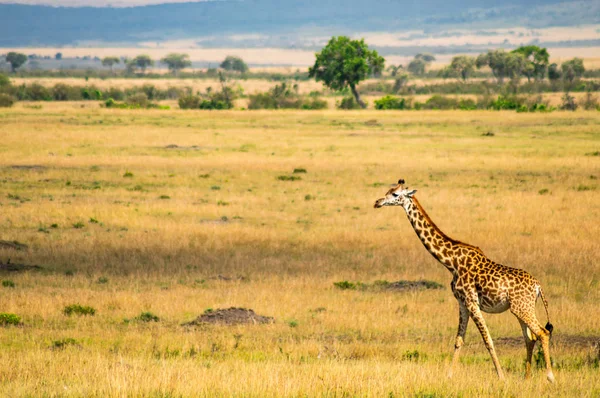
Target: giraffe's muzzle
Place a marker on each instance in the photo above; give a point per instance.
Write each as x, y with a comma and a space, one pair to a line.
379, 203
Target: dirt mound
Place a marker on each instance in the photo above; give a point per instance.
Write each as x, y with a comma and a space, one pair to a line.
7, 244
230, 316
412, 285
9, 267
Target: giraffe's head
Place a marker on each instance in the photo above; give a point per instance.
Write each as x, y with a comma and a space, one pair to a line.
397, 196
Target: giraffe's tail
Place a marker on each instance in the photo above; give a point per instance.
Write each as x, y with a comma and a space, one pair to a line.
548, 326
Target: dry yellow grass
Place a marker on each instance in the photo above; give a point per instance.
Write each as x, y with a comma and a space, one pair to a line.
526, 195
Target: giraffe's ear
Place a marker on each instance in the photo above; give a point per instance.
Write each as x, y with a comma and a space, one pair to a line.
410, 194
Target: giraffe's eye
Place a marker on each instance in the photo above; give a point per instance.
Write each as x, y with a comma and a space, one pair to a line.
395, 195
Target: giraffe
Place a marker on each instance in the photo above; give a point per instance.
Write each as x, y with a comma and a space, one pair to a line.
478, 284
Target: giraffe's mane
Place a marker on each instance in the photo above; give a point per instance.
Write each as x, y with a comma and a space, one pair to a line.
438, 230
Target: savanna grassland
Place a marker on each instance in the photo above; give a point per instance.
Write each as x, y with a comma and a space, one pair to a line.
178, 212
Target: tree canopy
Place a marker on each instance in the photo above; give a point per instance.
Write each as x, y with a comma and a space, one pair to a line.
344, 63
572, 69
16, 60
234, 63
502, 64
110, 62
142, 62
463, 66
536, 61
176, 62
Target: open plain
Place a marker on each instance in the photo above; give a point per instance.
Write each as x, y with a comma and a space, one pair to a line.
173, 214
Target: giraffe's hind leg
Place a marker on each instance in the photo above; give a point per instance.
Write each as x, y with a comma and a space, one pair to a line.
529, 319
530, 345
463, 321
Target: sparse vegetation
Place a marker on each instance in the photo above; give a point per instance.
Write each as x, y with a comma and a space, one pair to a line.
7, 319
77, 309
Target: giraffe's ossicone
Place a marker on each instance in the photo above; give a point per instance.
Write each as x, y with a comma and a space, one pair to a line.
479, 284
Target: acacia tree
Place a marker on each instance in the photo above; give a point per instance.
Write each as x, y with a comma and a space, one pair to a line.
463, 66
536, 61
234, 63
502, 64
176, 62
344, 63
16, 60
572, 69
110, 62
141, 61
394, 69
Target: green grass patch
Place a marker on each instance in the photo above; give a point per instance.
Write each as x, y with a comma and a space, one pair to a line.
77, 309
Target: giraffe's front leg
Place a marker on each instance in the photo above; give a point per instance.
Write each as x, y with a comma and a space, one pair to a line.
463, 321
477, 316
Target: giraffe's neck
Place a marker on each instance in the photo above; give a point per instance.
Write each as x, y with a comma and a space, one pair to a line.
442, 248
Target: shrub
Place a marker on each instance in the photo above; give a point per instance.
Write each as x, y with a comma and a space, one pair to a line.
348, 103
315, 104
289, 178
6, 101
590, 102
147, 317
8, 283
440, 102
506, 102
189, 102
76, 309
138, 100
63, 343
390, 102
568, 103
37, 92
345, 285
7, 319
467, 104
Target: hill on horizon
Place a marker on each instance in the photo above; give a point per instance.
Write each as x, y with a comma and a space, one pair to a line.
34, 25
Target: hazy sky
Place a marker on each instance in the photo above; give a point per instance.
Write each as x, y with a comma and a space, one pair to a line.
96, 3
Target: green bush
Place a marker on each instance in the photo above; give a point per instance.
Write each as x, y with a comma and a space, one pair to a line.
262, 101
507, 102
390, 102
8, 283
139, 100
568, 103
189, 102
147, 317
315, 104
7, 319
440, 102
348, 103
345, 285
6, 101
63, 343
76, 309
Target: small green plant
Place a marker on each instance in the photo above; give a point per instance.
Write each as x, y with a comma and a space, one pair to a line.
93, 221
8, 283
147, 317
77, 309
585, 188
289, 178
54, 226
204, 175
292, 323
543, 191
164, 197
102, 280
309, 197
215, 188
63, 343
222, 203
69, 273
128, 174
7, 319
78, 225
596, 153
299, 170
413, 355
345, 285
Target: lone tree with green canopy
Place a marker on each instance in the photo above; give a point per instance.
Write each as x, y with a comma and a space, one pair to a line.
536, 61
176, 62
344, 63
16, 60
110, 61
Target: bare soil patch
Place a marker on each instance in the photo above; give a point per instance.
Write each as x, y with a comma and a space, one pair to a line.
567, 340
231, 316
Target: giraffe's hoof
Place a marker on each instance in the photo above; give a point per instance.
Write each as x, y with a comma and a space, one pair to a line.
551, 377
